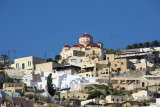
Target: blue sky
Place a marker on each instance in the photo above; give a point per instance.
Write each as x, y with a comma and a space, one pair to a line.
33, 26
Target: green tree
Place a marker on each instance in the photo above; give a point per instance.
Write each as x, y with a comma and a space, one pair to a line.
4, 57
129, 47
155, 43
110, 51
140, 45
118, 52
94, 94
57, 57
51, 89
51, 60
135, 45
147, 44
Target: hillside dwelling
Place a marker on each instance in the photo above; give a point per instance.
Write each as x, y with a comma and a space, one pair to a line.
140, 60
27, 63
142, 95
13, 87
14, 99
73, 95
115, 99
66, 69
46, 67
129, 104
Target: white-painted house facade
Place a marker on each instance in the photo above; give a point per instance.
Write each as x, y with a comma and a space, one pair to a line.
60, 81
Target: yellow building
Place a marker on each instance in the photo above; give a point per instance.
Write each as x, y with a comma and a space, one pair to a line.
46, 67
74, 95
14, 87
27, 63
129, 104
123, 104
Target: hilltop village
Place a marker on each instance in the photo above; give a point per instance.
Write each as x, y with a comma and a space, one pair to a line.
84, 75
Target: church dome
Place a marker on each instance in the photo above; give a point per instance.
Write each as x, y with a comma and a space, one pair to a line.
99, 42
67, 46
86, 35
76, 45
92, 45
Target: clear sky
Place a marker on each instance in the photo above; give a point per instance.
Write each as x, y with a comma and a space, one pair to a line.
33, 26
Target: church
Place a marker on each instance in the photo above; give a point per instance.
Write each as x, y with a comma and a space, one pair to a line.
85, 48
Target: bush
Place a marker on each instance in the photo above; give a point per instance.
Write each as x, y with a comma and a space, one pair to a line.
94, 94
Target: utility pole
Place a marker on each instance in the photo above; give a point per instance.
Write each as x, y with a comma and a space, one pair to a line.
109, 65
146, 63
8, 56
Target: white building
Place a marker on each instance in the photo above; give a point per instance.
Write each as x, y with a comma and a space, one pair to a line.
142, 95
60, 81
66, 69
81, 61
157, 104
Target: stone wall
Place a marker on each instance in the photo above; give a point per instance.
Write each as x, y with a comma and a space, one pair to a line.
18, 74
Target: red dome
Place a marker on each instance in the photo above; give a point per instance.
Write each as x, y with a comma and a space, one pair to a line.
93, 45
86, 35
67, 46
76, 45
99, 42
81, 45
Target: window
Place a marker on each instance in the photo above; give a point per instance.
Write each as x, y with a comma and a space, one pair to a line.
112, 99
131, 104
140, 68
84, 96
117, 100
121, 63
23, 66
142, 84
29, 63
115, 65
17, 65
